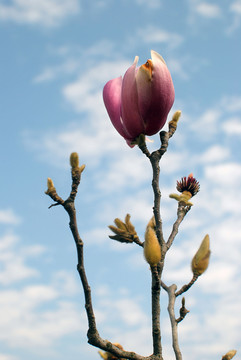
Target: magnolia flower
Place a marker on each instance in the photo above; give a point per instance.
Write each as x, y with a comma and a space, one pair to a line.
140, 102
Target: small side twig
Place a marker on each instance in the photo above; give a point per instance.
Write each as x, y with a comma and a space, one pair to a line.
182, 210
183, 311
187, 286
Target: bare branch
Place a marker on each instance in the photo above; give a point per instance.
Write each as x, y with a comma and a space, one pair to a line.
156, 328
155, 158
92, 334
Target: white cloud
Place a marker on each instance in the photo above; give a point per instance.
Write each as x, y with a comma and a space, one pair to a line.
151, 4
236, 7
124, 320
231, 104
215, 153
21, 313
51, 73
208, 10
131, 313
154, 35
13, 266
37, 314
92, 136
208, 121
232, 126
85, 94
120, 172
7, 357
218, 118
92, 139
177, 67
226, 174
8, 216
69, 60
200, 11
44, 12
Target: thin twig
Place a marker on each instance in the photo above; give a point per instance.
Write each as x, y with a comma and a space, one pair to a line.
155, 158
171, 304
138, 242
181, 213
187, 286
164, 286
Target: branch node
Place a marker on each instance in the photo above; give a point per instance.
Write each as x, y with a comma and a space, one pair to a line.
183, 311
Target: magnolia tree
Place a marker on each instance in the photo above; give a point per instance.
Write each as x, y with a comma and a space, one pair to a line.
138, 105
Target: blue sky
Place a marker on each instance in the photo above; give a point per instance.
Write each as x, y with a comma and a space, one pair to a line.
56, 57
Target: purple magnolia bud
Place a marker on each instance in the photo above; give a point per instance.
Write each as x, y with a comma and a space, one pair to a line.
140, 102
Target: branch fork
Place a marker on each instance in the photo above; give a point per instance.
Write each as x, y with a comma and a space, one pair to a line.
124, 231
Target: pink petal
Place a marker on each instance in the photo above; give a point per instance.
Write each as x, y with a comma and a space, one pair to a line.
155, 93
144, 88
130, 114
163, 95
112, 101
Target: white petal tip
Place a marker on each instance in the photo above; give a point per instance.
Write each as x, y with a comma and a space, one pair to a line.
154, 55
136, 60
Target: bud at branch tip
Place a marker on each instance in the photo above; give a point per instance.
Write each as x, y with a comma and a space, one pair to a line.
229, 355
50, 186
74, 160
200, 260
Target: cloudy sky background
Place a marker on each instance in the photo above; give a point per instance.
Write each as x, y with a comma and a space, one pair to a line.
56, 57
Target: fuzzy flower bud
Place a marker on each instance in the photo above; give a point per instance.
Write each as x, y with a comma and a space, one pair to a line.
50, 186
173, 123
152, 248
229, 355
74, 160
200, 260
